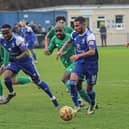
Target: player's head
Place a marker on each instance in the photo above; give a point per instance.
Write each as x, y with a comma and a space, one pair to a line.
59, 31
60, 20
22, 23
80, 24
6, 31
16, 29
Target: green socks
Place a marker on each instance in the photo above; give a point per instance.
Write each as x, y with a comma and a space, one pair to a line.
23, 80
68, 85
84, 95
1, 89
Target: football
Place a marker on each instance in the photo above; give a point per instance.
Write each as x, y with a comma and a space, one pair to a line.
66, 113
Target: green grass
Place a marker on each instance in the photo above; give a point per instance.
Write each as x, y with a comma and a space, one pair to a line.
32, 109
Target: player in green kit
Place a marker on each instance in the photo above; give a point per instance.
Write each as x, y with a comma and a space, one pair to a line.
3, 62
60, 20
57, 42
4, 58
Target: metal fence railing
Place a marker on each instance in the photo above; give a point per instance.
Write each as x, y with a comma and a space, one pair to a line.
112, 39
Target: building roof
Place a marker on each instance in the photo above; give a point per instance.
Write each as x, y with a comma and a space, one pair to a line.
12, 5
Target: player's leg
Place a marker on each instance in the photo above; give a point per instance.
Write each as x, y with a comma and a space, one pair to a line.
105, 41
12, 69
73, 91
74, 79
34, 56
1, 89
44, 86
66, 78
83, 93
66, 81
21, 80
2, 98
31, 46
91, 81
32, 72
102, 40
8, 82
92, 95
15, 80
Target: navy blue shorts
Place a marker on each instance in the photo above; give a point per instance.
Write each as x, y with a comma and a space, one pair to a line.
27, 67
89, 70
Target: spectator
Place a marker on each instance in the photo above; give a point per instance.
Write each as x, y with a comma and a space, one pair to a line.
34, 27
41, 35
103, 34
41, 29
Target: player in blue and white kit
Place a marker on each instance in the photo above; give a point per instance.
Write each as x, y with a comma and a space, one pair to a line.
30, 38
20, 60
86, 59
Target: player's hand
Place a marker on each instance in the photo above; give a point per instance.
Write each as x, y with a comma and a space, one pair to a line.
58, 55
2, 69
74, 57
46, 52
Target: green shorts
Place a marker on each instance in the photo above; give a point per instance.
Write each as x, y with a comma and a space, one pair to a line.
70, 68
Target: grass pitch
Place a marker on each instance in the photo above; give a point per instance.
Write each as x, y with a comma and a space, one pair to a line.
32, 109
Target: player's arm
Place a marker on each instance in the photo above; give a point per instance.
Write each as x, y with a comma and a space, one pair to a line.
46, 43
92, 48
90, 52
47, 38
51, 46
22, 46
59, 53
24, 53
5, 58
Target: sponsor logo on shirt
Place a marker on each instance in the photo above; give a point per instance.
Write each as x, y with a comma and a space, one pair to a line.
91, 42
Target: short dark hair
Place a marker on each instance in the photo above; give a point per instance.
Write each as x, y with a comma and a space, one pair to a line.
58, 18
6, 26
80, 19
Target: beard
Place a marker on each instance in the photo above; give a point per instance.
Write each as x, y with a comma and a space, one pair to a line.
60, 36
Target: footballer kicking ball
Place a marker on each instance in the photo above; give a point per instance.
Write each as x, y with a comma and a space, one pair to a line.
66, 113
